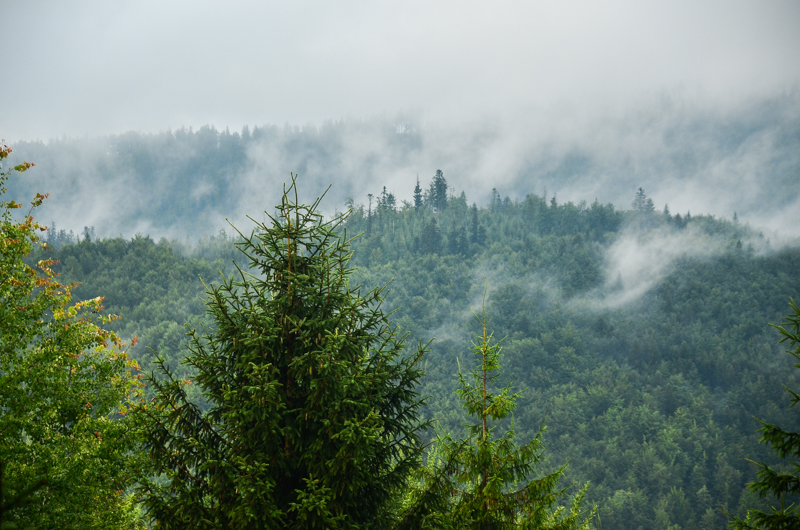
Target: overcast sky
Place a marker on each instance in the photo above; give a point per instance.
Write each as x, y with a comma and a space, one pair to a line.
93, 67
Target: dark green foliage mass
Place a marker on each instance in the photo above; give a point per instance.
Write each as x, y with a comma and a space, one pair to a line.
651, 398
493, 481
782, 484
436, 197
311, 417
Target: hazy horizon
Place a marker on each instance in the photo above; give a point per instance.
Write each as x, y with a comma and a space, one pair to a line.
697, 103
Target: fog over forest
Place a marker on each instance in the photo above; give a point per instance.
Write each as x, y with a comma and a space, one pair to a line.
706, 159
616, 184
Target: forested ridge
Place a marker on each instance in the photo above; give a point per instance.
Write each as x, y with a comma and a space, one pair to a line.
649, 379
187, 181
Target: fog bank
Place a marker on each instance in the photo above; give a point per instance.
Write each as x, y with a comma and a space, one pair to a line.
705, 159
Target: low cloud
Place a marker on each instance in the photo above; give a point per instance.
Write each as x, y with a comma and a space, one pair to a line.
701, 158
638, 260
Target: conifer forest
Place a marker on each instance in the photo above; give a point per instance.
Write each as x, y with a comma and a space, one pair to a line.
357, 360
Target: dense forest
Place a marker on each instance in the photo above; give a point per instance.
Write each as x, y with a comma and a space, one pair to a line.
640, 336
186, 182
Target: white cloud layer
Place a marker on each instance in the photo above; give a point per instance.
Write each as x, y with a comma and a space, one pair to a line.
94, 67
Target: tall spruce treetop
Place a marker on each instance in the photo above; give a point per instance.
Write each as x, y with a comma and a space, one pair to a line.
438, 191
417, 196
487, 478
312, 416
642, 203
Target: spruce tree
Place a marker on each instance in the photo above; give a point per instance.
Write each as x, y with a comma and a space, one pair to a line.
430, 241
438, 191
417, 196
312, 416
783, 484
639, 202
494, 201
473, 223
485, 471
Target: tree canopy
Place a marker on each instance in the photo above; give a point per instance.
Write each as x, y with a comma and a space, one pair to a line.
650, 398
782, 484
494, 483
66, 385
312, 415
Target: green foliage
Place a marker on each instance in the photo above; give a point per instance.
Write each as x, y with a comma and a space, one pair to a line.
652, 400
417, 196
436, 196
312, 412
65, 386
430, 241
643, 204
783, 484
493, 486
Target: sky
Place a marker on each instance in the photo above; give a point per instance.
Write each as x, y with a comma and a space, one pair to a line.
83, 68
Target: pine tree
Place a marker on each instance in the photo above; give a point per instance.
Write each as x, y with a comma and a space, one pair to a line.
489, 469
312, 416
781, 484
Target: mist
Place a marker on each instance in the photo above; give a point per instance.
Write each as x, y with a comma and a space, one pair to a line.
96, 68
142, 116
184, 183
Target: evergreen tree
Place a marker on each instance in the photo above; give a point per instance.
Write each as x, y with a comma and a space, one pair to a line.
369, 214
494, 201
784, 484
430, 241
457, 242
312, 415
489, 470
438, 191
417, 196
473, 223
387, 203
481, 239
640, 201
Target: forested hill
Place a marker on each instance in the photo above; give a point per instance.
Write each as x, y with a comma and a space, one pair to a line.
640, 336
188, 181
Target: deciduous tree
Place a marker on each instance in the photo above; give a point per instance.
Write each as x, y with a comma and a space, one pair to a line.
65, 387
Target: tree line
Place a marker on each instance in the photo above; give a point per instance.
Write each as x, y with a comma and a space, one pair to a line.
651, 416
